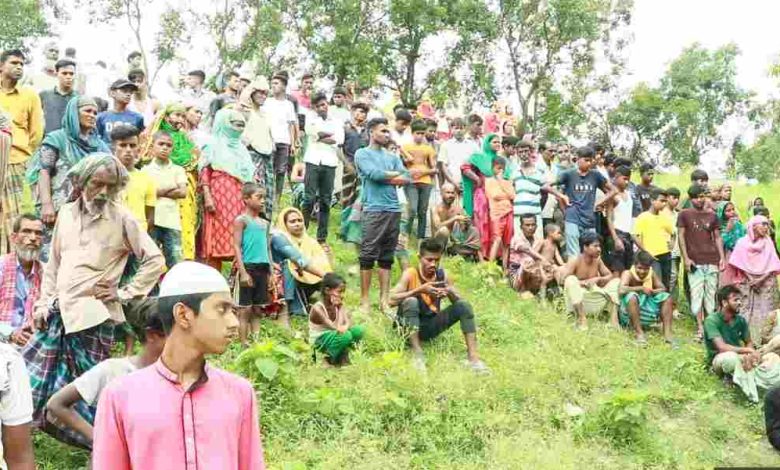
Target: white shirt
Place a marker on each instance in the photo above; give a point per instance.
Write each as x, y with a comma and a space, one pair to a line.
402, 139
281, 113
91, 383
16, 406
454, 154
622, 219
202, 98
320, 153
340, 114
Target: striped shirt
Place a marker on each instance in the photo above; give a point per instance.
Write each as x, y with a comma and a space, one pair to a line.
528, 190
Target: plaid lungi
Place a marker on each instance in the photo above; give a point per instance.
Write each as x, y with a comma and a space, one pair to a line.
54, 359
11, 204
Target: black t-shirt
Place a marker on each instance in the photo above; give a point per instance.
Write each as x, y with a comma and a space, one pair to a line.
644, 196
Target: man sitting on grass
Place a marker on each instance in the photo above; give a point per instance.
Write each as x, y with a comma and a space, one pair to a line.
588, 285
644, 299
450, 223
418, 296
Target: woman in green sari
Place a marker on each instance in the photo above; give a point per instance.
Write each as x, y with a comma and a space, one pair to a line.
475, 202
731, 230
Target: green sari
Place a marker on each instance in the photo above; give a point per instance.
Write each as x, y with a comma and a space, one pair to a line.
730, 237
482, 163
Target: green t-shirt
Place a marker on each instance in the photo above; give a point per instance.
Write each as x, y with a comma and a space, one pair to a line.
734, 334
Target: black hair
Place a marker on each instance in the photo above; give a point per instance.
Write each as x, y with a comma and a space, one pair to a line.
551, 228
645, 167
102, 104
655, 193
232, 73
12, 53
332, 281
589, 238
644, 258
510, 141
458, 121
500, 161
375, 122
475, 119
340, 90
198, 73
597, 147
527, 216
623, 171
70, 52
761, 210
418, 125
673, 192
699, 175
431, 123
248, 189
317, 98
621, 161
17, 225
609, 159
133, 55
524, 144
585, 152
397, 107
362, 106
696, 191
403, 115
307, 75
431, 246
62, 63
161, 133
136, 73
724, 293
165, 307
542, 147
123, 131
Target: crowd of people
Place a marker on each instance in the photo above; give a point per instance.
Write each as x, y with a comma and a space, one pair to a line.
139, 205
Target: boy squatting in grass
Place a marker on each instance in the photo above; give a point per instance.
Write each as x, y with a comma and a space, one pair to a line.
330, 326
251, 241
644, 298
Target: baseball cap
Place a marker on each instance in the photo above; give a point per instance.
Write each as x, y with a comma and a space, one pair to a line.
123, 83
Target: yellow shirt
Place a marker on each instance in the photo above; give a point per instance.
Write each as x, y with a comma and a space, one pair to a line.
24, 106
166, 210
140, 193
423, 154
655, 232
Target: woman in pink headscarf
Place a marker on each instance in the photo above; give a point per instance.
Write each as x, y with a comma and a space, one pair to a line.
756, 263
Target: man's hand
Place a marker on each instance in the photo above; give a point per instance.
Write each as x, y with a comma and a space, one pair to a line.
415, 173
341, 329
22, 335
688, 264
647, 290
48, 216
749, 361
244, 279
106, 292
588, 283
564, 201
722, 264
39, 319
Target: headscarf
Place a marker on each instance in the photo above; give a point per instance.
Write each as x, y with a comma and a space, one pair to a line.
183, 148
226, 152
82, 171
753, 255
730, 237
257, 133
483, 163
308, 246
68, 140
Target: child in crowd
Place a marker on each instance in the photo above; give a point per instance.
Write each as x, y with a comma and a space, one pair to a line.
121, 93
140, 194
171, 187
420, 158
549, 248
74, 404
501, 195
253, 260
653, 233
330, 326
644, 299
672, 210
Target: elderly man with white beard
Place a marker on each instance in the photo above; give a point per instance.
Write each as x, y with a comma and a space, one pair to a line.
20, 280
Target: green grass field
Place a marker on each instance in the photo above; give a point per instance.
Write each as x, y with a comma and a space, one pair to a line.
556, 398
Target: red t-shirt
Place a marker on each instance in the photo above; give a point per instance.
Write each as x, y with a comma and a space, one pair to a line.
700, 229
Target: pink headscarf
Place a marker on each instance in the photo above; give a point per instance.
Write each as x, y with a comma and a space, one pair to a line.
753, 255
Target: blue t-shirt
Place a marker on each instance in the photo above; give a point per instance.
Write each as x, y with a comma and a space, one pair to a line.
378, 194
581, 191
108, 119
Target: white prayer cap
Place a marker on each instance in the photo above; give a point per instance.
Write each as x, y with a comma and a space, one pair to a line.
189, 277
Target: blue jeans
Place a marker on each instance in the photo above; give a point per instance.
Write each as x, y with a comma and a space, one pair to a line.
573, 233
169, 241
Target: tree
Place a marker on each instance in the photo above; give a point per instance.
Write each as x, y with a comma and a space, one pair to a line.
762, 160
551, 46
20, 20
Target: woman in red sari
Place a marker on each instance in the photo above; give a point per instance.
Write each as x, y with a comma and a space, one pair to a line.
224, 168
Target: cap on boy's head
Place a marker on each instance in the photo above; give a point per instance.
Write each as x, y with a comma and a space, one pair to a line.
189, 277
123, 83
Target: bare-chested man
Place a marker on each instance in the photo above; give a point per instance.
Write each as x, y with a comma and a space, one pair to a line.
549, 248
527, 267
588, 286
644, 299
451, 225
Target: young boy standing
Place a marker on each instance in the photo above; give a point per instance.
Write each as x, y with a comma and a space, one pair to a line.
253, 259
171, 186
121, 93
140, 194
701, 249
672, 211
501, 195
181, 412
653, 233
420, 159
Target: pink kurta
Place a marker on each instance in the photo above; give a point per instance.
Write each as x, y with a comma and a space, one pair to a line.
145, 420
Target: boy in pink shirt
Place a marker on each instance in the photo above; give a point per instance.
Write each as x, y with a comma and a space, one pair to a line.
501, 196
181, 413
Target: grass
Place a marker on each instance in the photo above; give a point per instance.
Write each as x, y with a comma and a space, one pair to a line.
556, 398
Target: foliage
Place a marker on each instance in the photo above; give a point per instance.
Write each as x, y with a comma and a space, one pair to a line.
20, 20
172, 35
762, 160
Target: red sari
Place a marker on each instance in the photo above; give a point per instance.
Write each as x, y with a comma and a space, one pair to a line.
216, 237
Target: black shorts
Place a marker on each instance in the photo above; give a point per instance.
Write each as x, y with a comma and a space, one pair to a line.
380, 237
281, 158
619, 261
258, 293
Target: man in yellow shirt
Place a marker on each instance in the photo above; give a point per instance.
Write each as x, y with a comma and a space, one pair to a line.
140, 194
24, 106
653, 233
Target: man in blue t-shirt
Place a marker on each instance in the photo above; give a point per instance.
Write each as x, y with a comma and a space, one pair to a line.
579, 198
380, 171
121, 92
